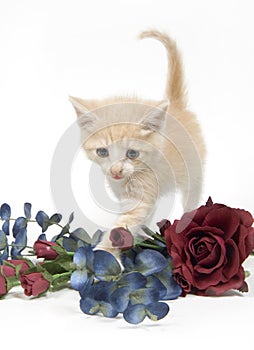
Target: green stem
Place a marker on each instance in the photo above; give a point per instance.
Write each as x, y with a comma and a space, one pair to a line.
19, 245
34, 221
159, 238
15, 284
70, 253
57, 275
149, 245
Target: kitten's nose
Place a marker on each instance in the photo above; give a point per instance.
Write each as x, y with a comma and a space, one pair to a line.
116, 171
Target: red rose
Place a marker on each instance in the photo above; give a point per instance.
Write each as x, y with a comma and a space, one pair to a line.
43, 249
121, 238
34, 284
208, 247
5, 272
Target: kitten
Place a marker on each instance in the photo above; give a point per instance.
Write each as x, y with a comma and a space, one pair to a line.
145, 148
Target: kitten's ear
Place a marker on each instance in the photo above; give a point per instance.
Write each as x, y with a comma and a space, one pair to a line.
155, 117
86, 118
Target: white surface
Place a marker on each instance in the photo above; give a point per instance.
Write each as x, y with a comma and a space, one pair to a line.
50, 49
193, 322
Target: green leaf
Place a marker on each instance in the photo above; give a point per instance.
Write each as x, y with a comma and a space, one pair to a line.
17, 269
11, 282
61, 264
47, 276
58, 248
6, 263
148, 231
65, 261
81, 234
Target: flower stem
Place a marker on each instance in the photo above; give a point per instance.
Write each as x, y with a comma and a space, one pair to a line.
149, 245
57, 275
159, 238
34, 221
19, 245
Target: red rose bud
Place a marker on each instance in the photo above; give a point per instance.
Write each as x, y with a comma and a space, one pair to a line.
34, 284
121, 238
43, 249
23, 263
163, 225
208, 247
5, 272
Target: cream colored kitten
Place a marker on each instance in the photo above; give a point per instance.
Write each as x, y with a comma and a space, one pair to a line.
146, 148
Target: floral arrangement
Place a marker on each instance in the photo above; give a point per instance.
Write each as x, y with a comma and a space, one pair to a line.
202, 253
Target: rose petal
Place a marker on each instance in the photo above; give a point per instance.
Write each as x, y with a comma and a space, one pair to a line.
213, 261
173, 239
196, 243
245, 217
181, 280
233, 263
225, 219
244, 239
40, 286
204, 281
236, 282
201, 213
7, 271
204, 231
185, 224
3, 289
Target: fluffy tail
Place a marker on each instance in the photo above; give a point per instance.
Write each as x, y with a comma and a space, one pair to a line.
175, 86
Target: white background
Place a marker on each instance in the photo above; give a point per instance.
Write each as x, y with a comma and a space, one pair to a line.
52, 49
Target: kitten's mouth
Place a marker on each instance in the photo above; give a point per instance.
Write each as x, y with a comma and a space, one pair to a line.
117, 177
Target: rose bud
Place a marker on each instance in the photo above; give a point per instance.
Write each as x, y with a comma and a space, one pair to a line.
34, 284
5, 272
121, 238
163, 225
43, 249
208, 247
23, 263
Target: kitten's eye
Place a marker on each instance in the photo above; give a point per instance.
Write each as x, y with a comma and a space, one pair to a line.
132, 154
102, 152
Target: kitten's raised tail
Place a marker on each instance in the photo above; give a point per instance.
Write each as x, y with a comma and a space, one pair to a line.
175, 89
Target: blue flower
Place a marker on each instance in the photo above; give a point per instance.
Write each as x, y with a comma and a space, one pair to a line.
20, 234
91, 307
45, 221
106, 267
147, 262
95, 298
5, 211
173, 290
136, 313
100, 264
83, 263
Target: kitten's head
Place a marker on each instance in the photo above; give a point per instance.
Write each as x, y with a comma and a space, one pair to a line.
122, 136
